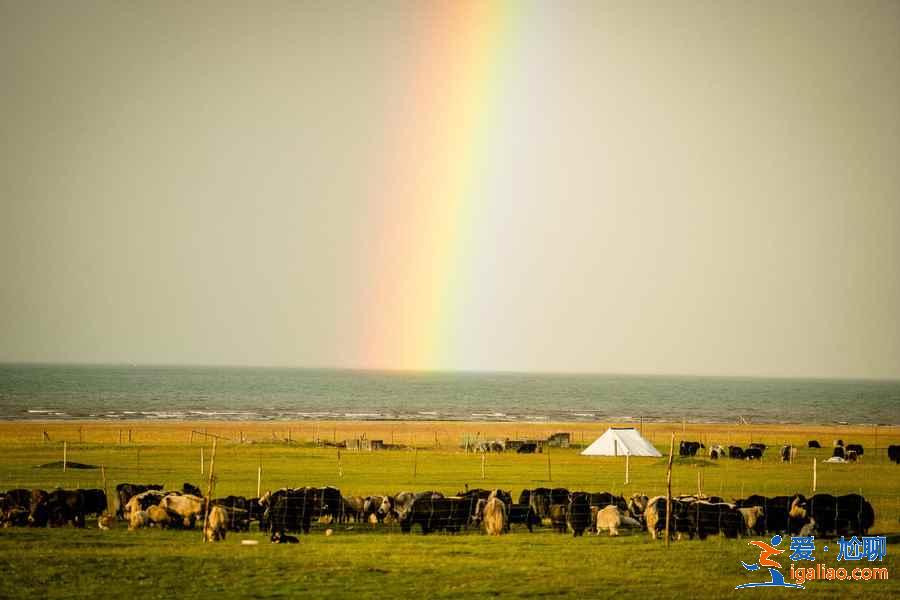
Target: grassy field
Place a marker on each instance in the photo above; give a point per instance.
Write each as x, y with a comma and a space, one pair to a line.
365, 561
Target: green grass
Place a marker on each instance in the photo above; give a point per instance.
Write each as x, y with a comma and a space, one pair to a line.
368, 562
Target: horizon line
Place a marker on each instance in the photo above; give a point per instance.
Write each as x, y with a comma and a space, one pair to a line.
398, 371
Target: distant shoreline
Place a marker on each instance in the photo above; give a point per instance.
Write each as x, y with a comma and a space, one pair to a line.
462, 373
485, 422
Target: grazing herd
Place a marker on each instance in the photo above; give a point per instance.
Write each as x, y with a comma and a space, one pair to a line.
293, 510
137, 505
755, 451
57, 508
850, 452
823, 515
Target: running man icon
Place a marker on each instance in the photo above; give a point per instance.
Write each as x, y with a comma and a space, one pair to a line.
766, 551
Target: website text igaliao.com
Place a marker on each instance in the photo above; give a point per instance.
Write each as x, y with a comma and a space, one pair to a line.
822, 573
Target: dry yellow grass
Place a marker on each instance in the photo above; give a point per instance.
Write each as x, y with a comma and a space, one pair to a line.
430, 433
517, 565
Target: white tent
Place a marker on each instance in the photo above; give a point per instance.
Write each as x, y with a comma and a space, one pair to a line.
621, 442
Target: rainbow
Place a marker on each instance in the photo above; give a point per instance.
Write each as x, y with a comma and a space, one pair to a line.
429, 190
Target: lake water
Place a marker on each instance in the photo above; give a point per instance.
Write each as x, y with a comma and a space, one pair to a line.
185, 393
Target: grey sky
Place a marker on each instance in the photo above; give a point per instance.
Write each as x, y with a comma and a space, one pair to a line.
690, 187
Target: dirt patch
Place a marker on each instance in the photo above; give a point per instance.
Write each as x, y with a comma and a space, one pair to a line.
69, 465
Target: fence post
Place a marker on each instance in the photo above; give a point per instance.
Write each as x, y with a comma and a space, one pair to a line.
209, 487
65, 454
626, 468
669, 488
258, 479
814, 475
202, 460
549, 470
482, 464
876, 439
105, 491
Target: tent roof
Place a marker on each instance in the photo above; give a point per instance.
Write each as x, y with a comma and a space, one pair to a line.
621, 442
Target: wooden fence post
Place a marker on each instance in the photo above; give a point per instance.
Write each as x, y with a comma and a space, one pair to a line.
876, 440
626, 469
65, 454
105, 491
549, 470
669, 488
209, 487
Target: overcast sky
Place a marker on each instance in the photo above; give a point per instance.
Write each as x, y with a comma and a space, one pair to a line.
677, 187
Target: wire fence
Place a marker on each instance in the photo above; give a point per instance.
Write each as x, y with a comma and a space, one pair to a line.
139, 457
